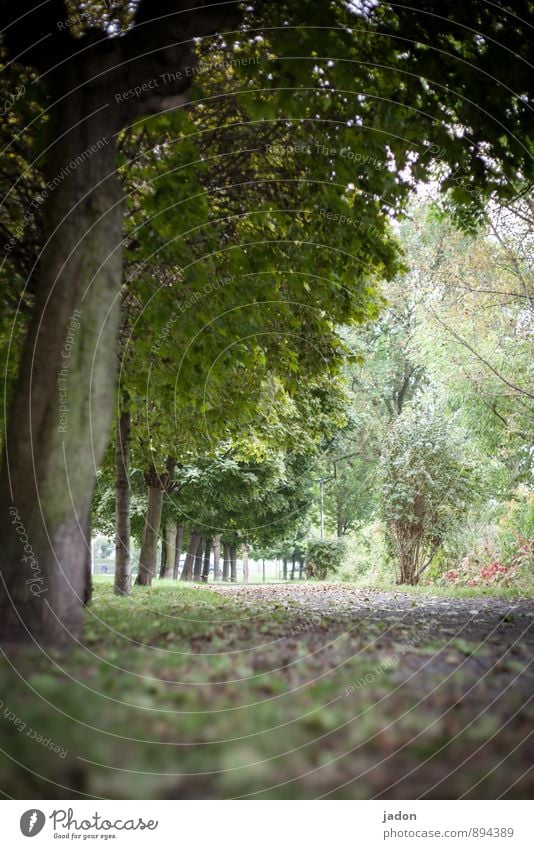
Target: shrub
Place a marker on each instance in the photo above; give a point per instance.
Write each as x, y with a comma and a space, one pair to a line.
324, 557
427, 485
495, 550
515, 572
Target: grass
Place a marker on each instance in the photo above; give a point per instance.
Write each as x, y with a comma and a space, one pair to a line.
452, 591
179, 692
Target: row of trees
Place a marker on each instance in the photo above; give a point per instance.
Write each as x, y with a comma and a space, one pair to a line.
210, 255
436, 421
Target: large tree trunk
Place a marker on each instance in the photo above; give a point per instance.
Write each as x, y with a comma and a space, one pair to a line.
62, 404
197, 569
226, 562
170, 548
217, 557
206, 566
233, 564
245, 563
123, 576
149, 548
178, 553
189, 565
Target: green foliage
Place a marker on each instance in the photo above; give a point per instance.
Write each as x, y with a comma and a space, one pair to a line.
324, 557
428, 481
516, 524
368, 560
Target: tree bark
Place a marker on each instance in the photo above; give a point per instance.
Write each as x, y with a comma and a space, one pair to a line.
233, 564
284, 573
226, 562
293, 566
189, 565
263, 570
62, 405
149, 548
123, 575
301, 567
170, 547
197, 572
206, 566
217, 557
245, 563
178, 554
163, 559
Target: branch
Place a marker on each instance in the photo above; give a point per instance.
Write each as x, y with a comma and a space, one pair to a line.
428, 562
480, 357
158, 55
146, 71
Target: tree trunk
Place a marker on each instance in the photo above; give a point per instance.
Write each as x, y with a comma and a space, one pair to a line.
163, 559
408, 548
149, 548
284, 573
408, 569
194, 542
170, 547
301, 567
62, 405
226, 562
293, 567
217, 557
197, 573
233, 564
245, 564
206, 566
340, 517
123, 574
178, 554
263, 570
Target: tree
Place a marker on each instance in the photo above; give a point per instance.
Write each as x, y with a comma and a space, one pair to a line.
473, 323
78, 276
427, 484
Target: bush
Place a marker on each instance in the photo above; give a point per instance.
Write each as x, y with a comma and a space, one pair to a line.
324, 557
427, 485
493, 548
516, 523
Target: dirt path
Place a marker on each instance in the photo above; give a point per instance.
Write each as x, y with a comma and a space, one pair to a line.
462, 668
495, 620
